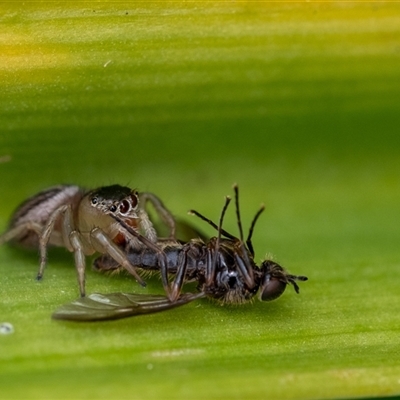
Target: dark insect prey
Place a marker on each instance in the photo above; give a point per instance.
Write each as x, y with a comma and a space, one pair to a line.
224, 269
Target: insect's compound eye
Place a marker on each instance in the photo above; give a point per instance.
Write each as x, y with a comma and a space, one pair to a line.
94, 200
272, 289
124, 207
113, 208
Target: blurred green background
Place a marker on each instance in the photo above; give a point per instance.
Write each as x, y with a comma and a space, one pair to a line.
299, 103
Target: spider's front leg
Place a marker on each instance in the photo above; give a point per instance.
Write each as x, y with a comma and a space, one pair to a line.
105, 245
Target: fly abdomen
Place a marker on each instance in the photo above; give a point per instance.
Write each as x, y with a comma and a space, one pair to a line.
143, 260
147, 259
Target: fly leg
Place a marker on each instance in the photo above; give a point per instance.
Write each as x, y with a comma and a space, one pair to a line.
241, 255
213, 250
180, 274
251, 230
210, 266
245, 265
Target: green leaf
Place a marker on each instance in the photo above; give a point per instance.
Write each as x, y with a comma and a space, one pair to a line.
296, 102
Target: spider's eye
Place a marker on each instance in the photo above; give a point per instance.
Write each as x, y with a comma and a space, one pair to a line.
124, 207
94, 200
113, 208
135, 199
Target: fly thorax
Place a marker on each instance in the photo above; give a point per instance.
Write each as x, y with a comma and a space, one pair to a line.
230, 288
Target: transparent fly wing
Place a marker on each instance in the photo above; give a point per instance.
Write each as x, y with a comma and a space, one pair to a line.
102, 307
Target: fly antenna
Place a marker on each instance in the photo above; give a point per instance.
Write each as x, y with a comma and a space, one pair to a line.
251, 230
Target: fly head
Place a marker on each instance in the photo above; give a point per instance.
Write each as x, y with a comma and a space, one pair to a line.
275, 279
